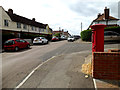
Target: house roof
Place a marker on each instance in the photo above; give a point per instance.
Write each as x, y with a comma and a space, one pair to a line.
65, 32
102, 18
57, 31
21, 19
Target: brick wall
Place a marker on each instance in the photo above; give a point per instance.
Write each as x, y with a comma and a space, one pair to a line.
106, 65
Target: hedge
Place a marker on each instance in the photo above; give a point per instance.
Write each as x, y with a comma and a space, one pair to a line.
57, 35
86, 35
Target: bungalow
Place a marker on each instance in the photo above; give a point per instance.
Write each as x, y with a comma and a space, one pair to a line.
15, 24
106, 19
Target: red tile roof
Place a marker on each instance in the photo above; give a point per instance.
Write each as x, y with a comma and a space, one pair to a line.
102, 18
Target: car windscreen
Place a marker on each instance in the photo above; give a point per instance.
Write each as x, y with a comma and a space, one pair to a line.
71, 37
9, 42
111, 34
37, 38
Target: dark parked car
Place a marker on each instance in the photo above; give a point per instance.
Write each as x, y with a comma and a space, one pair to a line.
76, 37
111, 36
15, 44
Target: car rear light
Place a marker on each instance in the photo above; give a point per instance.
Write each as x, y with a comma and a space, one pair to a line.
40, 39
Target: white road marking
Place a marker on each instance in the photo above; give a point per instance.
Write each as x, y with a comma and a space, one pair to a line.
30, 74
95, 84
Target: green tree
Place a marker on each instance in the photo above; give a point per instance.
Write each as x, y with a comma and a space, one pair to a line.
57, 35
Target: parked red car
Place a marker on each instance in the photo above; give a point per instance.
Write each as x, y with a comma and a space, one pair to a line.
55, 39
15, 44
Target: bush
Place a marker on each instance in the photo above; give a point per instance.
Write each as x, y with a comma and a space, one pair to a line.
113, 27
57, 35
86, 35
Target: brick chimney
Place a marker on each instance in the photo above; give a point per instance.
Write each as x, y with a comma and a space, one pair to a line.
99, 15
33, 19
10, 11
106, 12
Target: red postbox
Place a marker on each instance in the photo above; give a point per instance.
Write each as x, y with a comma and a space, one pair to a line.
98, 37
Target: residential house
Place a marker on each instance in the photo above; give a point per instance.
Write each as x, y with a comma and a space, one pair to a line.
106, 19
17, 25
62, 32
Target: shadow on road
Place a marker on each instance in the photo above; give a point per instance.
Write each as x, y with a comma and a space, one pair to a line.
21, 50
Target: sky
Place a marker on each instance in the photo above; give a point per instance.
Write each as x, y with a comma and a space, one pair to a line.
63, 14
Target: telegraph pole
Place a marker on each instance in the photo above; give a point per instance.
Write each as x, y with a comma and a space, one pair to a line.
119, 10
81, 26
59, 28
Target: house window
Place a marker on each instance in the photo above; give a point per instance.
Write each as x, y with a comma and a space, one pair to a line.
32, 27
6, 23
18, 25
24, 26
35, 29
46, 30
39, 29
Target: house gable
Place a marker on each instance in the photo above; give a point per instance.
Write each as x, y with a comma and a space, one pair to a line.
106, 19
3, 16
102, 18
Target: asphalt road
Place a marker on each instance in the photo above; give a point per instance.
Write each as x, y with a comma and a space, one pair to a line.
17, 65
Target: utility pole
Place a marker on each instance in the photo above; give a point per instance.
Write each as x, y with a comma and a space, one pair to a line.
119, 13
59, 28
81, 26
119, 10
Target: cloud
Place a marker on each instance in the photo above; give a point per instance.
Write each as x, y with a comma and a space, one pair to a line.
83, 8
113, 9
67, 14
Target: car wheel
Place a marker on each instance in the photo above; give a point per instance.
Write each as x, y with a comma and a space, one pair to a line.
42, 42
16, 48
